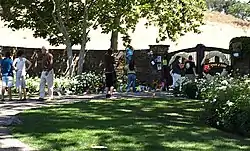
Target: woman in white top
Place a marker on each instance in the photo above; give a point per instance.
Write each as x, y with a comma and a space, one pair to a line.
19, 65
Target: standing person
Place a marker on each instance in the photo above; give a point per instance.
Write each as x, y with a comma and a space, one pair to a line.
130, 68
165, 74
129, 54
176, 71
206, 70
109, 62
190, 71
19, 65
1, 57
7, 74
47, 75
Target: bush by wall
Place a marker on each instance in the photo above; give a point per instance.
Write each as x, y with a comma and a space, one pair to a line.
227, 103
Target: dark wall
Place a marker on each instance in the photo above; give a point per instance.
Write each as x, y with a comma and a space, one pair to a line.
94, 61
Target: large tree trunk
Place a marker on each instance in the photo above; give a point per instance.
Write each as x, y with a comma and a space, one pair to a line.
114, 40
114, 34
70, 59
82, 53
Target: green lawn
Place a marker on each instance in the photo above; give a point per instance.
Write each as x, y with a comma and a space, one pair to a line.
124, 125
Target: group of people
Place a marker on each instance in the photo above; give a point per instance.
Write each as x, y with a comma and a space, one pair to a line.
178, 69
173, 72
110, 73
18, 66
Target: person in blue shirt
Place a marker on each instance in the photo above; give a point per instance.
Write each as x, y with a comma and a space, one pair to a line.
1, 58
7, 74
129, 54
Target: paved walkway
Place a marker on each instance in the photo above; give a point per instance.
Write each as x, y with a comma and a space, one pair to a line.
8, 110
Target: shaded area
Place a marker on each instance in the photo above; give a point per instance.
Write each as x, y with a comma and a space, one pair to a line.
11, 149
124, 125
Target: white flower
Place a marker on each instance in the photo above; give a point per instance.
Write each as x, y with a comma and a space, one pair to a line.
203, 89
214, 100
230, 103
224, 82
222, 88
247, 81
206, 100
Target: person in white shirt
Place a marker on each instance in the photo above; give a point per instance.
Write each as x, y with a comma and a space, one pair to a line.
19, 65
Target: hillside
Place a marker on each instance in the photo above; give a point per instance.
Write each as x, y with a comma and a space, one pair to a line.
217, 32
226, 19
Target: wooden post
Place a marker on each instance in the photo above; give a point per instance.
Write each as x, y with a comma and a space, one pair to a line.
200, 51
217, 59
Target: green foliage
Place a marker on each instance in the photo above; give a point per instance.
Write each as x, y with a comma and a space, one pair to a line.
62, 84
38, 16
172, 18
227, 103
236, 8
220, 5
32, 84
240, 10
86, 82
190, 89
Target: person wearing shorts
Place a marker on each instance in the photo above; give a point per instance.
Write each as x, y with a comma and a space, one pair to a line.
7, 74
109, 62
19, 65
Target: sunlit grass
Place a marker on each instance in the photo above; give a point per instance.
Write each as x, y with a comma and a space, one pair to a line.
124, 125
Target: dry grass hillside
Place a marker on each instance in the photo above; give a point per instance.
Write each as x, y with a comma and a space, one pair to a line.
226, 19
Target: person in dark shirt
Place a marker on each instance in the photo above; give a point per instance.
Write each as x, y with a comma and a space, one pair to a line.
190, 71
47, 75
109, 62
7, 74
165, 74
176, 71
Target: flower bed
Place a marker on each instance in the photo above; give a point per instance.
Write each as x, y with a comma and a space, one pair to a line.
226, 103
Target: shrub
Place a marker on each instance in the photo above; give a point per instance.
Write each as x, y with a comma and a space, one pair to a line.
86, 82
32, 85
190, 89
62, 84
227, 104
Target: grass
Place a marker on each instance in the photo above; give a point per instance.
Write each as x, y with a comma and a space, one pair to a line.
124, 125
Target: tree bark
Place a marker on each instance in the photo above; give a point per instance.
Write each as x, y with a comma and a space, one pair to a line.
114, 34
83, 52
114, 40
61, 27
70, 60
82, 55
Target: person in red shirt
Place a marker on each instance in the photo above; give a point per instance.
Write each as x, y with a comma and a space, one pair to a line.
206, 68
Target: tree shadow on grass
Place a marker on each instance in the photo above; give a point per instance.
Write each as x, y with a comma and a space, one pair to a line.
122, 125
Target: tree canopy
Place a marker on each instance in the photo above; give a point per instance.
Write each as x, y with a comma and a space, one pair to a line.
240, 10
69, 21
236, 8
172, 18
